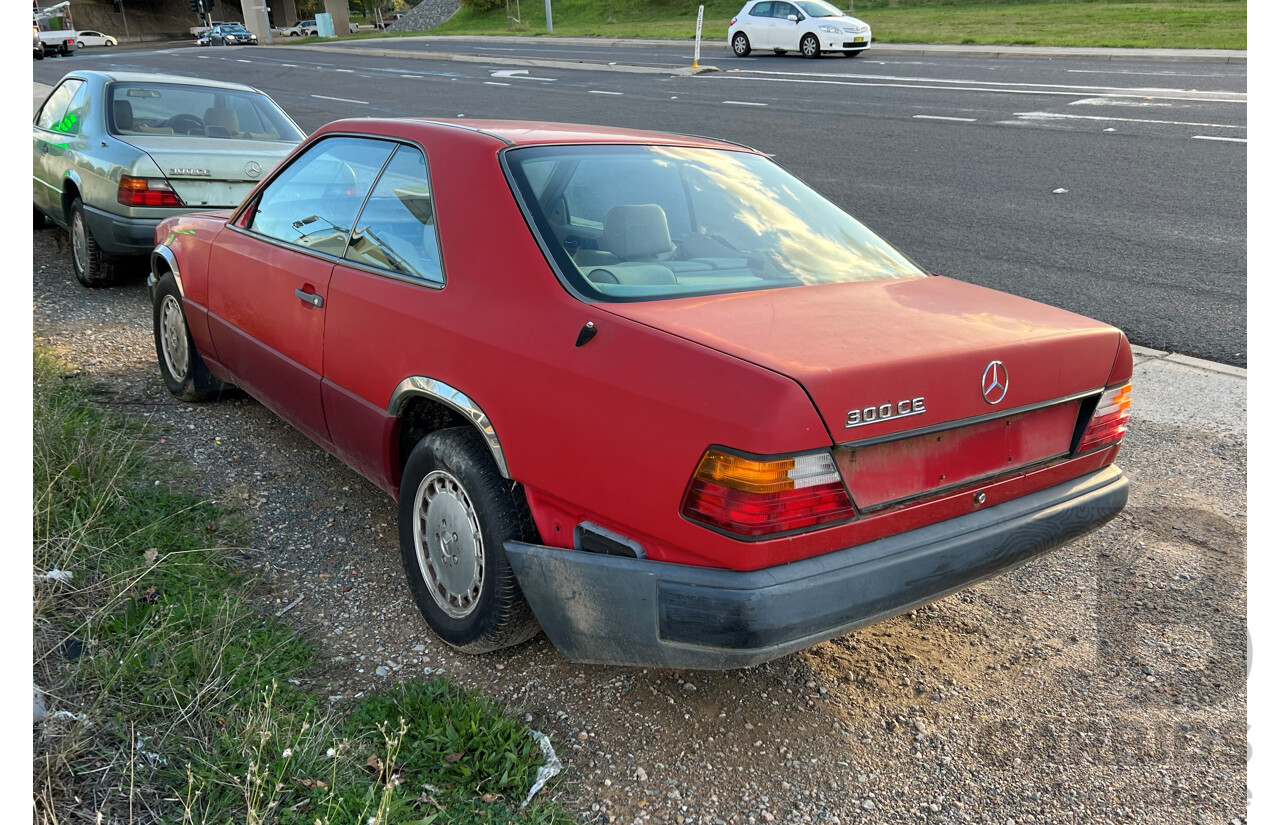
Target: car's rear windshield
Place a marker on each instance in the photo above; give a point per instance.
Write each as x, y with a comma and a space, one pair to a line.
143, 108
637, 223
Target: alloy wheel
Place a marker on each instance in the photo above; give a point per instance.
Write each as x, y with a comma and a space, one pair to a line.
450, 548
173, 338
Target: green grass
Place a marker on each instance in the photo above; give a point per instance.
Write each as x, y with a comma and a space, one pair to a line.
182, 709
1215, 24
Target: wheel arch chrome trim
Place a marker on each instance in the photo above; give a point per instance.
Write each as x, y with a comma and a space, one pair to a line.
163, 251
422, 386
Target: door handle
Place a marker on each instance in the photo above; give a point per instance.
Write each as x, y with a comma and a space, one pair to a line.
310, 297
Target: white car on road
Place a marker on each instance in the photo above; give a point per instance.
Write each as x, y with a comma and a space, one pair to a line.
808, 26
88, 38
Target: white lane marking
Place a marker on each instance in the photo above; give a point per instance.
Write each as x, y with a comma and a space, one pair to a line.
495, 83
290, 65
600, 92
238, 60
415, 76
347, 71
1125, 89
1211, 137
1119, 101
342, 99
987, 89
942, 117
742, 103
517, 74
1059, 116
203, 56
1153, 74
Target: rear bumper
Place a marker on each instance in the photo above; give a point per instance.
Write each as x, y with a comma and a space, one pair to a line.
610, 609
119, 235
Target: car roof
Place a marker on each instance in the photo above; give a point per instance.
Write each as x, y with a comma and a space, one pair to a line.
148, 77
539, 133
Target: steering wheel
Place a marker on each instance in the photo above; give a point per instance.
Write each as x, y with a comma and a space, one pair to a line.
184, 123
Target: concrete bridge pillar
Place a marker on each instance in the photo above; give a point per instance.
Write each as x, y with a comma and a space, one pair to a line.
283, 12
341, 19
255, 19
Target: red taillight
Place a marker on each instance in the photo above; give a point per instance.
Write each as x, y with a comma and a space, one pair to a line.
733, 22
146, 192
760, 497
1110, 419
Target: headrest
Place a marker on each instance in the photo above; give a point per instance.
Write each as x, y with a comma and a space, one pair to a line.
122, 112
637, 232
222, 122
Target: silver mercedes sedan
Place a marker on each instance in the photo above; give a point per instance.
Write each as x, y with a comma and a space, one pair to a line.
115, 153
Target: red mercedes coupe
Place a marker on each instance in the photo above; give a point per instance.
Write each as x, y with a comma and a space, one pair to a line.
648, 391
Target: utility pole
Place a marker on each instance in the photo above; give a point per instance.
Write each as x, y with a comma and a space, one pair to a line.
125, 18
548, 16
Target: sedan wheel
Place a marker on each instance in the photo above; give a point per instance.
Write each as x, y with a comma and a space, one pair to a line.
741, 45
92, 267
809, 46
456, 513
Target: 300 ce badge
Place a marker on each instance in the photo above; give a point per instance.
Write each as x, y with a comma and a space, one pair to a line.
884, 412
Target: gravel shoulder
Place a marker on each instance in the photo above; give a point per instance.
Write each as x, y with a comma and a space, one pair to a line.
1102, 683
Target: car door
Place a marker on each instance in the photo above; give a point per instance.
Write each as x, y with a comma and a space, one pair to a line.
55, 132
388, 314
786, 31
760, 25
269, 276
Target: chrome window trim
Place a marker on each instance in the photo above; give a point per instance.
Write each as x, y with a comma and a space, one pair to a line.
421, 385
964, 422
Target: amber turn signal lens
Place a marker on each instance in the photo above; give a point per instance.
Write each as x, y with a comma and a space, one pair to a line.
755, 497
1110, 420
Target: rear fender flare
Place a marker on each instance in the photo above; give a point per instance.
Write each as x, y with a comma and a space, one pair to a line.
421, 385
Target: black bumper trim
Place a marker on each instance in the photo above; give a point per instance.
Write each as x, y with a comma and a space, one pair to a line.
608, 609
118, 235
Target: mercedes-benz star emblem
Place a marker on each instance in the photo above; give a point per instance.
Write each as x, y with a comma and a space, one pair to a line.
253, 169
995, 382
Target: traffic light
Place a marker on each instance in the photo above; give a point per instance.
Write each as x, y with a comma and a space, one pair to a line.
194, 5
117, 5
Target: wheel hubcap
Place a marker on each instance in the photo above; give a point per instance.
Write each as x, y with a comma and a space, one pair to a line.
79, 242
809, 47
450, 549
739, 44
173, 338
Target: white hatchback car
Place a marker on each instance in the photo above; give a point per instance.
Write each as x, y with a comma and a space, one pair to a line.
808, 26
88, 38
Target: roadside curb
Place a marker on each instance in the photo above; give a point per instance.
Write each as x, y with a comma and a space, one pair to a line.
517, 61
1223, 56
1143, 355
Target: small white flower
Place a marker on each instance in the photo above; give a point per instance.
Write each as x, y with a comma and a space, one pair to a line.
330, 753
288, 752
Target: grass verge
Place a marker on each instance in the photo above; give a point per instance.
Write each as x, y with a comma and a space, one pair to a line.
168, 693
1169, 24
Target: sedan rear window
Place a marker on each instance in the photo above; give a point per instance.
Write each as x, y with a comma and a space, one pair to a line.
197, 111
632, 223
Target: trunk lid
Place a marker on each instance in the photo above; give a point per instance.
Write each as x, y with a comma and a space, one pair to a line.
884, 358
211, 172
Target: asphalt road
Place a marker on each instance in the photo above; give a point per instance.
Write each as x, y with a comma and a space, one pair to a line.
954, 160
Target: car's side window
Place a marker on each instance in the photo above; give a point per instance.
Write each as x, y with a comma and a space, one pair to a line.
785, 10
762, 9
396, 230
314, 202
55, 108
73, 120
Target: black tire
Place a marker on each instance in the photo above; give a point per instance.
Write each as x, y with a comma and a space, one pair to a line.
741, 45
186, 378
810, 47
93, 267
39, 220
491, 613
854, 53
38, 54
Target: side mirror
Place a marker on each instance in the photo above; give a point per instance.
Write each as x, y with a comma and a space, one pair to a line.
793, 18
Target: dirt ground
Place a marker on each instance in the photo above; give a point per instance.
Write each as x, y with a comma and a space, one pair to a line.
1102, 683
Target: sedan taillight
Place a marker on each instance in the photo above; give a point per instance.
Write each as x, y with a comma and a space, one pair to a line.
1110, 420
146, 192
753, 496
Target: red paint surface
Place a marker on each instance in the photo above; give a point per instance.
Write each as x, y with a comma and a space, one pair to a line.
613, 431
